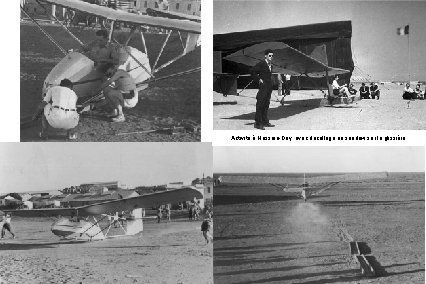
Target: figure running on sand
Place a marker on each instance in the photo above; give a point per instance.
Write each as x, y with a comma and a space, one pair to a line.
205, 228
7, 226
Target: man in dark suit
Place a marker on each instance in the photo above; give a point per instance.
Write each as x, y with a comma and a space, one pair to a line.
262, 73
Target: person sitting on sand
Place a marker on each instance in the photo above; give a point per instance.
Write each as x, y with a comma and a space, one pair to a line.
364, 91
374, 90
119, 91
7, 226
205, 228
339, 90
408, 93
419, 93
59, 109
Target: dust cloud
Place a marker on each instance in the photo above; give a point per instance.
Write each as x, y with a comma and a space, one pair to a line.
309, 220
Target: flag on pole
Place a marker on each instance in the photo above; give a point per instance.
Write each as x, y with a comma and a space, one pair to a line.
403, 30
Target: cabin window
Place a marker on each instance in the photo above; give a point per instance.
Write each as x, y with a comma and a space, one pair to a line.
177, 6
189, 7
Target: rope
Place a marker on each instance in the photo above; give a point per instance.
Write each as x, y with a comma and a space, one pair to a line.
45, 33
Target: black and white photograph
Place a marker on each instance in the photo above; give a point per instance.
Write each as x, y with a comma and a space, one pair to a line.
110, 70
106, 213
319, 215
302, 65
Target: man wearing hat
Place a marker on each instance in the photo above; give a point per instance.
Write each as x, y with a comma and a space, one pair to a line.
262, 73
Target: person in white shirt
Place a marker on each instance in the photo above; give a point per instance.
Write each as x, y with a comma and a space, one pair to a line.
339, 90
408, 92
59, 109
7, 226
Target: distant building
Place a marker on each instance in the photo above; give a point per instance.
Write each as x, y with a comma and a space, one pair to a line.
189, 7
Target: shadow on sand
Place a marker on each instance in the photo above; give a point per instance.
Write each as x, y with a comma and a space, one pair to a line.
26, 246
289, 109
363, 203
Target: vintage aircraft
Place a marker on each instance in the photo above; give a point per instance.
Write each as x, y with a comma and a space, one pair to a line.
293, 185
81, 70
310, 53
79, 227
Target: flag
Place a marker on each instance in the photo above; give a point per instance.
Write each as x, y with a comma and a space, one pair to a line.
403, 30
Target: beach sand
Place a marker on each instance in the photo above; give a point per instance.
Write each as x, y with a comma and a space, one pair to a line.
302, 110
173, 252
259, 240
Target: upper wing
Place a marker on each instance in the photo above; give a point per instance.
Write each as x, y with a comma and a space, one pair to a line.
172, 15
287, 60
297, 179
122, 16
143, 201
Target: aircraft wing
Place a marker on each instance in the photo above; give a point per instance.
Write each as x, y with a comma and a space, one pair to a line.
122, 16
143, 201
171, 15
298, 180
287, 60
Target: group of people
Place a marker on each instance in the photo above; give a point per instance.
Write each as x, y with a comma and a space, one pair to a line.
194, 213
168, 213
59, 106
416, 94
371, 92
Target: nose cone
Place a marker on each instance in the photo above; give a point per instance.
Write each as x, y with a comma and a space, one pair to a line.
79, 69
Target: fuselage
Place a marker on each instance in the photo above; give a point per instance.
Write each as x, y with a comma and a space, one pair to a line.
81, 229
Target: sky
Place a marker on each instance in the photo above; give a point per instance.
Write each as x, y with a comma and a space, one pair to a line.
317, 159
52, 166
377, 49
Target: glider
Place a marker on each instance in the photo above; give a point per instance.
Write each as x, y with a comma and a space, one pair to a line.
81, 70
80, 229
294, 185
308, 52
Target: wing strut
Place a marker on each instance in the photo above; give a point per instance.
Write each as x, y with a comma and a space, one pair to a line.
64, 27
162, 48
45, 33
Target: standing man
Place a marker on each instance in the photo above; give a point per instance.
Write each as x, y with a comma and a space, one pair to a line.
304, 194
7, 226
262, 73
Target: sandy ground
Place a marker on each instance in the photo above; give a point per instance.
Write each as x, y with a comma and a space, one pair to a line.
288, 241
172, 107
173, 252
303, 110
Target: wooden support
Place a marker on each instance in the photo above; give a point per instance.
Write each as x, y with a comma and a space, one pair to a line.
162, 48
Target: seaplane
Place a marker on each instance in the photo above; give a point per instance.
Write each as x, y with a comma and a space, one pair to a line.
295, 186
311, 54
94, 222
78, 67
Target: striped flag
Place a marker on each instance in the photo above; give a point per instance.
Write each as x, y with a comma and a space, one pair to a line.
403, 30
